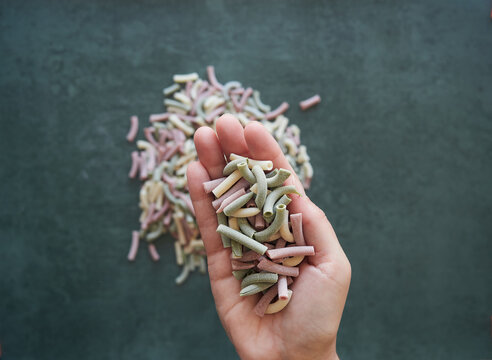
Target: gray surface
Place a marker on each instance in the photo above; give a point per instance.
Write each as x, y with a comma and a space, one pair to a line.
401, 145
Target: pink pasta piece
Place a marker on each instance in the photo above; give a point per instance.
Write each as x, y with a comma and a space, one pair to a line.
247, 93
313, 100
189, 84
158, 214
153, 252
187, 118
267, 298
133, 128
239, 265
217, 112
168, 179
278, 111
259, 222
230, 199
235, 102
242, 183
290, 251
208, 186
296, 222
148, 219
283, 293
268, 265
164, 134
280, 243
150, 138
159, 117
167, 219
187, 200
248, 256
151, 159
307, 182
132, 254
237, 91
143, 166
171, 150
212, 78
135, 165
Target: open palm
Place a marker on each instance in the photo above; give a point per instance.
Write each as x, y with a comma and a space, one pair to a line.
307, 327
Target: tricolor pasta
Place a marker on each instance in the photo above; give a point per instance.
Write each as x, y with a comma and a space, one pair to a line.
258, 239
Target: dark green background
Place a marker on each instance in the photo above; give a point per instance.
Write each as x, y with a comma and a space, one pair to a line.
401, 146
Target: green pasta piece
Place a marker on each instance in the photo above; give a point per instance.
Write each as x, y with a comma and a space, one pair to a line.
222, 219
254, 289
278, 179
237, 249
178, 104
245, 227
263, 235
272, 198
173, 198
284, 200
159, 230
239, 274
246, 172
157, 173
263, 277
261, 183
232, 166
242, 239
238, 203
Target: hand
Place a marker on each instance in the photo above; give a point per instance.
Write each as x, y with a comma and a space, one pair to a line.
307, 327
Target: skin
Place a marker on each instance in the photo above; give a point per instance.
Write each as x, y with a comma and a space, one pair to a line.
307, 328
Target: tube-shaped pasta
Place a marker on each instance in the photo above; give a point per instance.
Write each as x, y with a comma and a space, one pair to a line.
222, 220
242, 239
246, 212
254, 189
265, 300
263, 277
259, 103
296, 222
237, 248
279, 304
293, 261
230, 199
245, 227
284, 229
290, 251
241, 184
264, 235
284, 200
170, 89
238, 203
270, 266
231, 166
254, 288
245, 172
261, 183
177, 104
182, 78
227, 183
279, 178
274, 196
176, 121
240, 274
283, 291
239, 265
248, 256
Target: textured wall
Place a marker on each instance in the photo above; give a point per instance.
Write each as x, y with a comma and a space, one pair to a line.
401, 145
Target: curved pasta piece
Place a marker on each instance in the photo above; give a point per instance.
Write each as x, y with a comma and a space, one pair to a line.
278, 305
